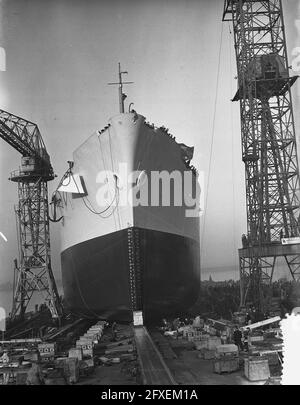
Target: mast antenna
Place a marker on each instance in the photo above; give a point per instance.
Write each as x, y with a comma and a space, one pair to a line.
120, 83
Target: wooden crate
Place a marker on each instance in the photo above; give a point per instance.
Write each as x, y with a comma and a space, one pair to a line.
227, 350
256, 369
226, 364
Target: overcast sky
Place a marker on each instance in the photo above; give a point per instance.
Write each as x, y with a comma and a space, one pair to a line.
62, 53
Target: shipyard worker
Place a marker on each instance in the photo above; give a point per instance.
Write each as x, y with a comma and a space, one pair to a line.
244, 240
197, 322
114, 331
223, 337
176, 324
164, 324
249, 338
237, 338
5, 357
248, 319
5, 361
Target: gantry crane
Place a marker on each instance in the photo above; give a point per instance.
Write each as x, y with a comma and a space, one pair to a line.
268, 146
33, 273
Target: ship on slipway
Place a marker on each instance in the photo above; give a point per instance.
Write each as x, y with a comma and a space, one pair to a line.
125, 248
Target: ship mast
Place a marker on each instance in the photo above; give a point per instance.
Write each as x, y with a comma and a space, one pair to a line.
120, 83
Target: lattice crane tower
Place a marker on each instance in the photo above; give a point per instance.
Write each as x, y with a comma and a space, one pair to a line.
34, 272
268, 146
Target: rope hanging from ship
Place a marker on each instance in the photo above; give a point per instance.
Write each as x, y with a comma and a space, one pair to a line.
116, 191
93, 211
211, 149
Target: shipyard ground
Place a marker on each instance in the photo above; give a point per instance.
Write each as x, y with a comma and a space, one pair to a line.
186, 368
136, 356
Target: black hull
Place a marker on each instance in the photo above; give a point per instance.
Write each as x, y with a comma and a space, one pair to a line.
132, 269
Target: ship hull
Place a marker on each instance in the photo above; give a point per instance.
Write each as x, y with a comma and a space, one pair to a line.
102, 277
120, 255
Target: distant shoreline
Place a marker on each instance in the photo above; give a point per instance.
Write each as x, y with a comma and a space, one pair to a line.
217, 274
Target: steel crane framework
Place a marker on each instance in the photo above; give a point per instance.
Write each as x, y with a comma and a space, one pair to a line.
268, 145
33, 273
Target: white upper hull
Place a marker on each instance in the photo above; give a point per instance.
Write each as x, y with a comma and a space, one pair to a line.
127, 145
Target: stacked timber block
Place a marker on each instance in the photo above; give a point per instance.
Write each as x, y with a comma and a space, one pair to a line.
80, 360
47, 351
256, 369
186, 330
194, 335
86, 345
95, 332
90, 338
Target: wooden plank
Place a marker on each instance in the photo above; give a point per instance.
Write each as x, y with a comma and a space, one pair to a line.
261, 323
